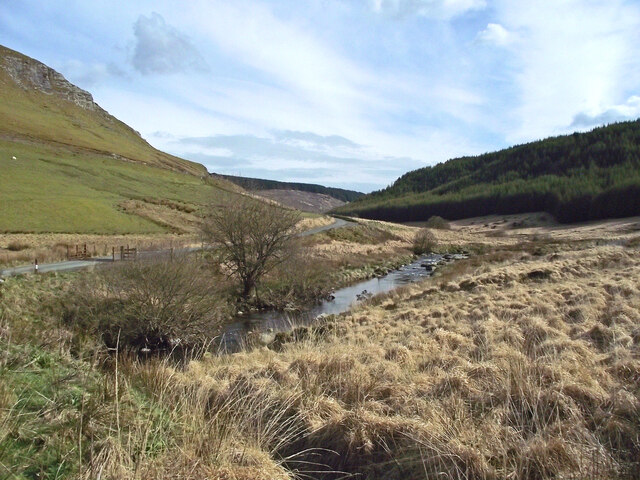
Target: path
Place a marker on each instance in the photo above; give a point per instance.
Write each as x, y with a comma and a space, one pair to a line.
70, 265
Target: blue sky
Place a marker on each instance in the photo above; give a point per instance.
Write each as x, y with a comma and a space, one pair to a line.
343, 93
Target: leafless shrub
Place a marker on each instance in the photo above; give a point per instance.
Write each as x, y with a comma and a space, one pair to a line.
251, 236
424, 242
438, 223
154, 305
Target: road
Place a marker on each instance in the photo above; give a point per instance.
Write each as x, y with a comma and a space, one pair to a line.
338, 223
70, 265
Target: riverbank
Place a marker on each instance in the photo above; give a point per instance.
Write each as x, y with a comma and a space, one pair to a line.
331, 260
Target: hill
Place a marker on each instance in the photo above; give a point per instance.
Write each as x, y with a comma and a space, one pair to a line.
304, 201
576, 177
37, 104
69, 166
257, 184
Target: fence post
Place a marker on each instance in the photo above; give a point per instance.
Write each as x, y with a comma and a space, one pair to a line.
113, 254
121, 253
171, 255
36, 266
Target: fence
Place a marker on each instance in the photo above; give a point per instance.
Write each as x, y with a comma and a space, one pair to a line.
122, 253
128, 254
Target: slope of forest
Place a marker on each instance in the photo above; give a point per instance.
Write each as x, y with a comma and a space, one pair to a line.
576, 177
260, 184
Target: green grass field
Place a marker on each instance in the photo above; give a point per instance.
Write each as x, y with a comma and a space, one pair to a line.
49, 189
81, 170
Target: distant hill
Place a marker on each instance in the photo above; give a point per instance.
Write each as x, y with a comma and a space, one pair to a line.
256, 184
575, 177
305, 201
66, 165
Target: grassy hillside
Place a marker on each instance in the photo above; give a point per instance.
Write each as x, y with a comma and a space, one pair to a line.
575, 177
38, 104
78, 169
50, 189
260, 184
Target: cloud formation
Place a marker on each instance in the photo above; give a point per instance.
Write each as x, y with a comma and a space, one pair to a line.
87, 75
440, 9
294, 156
161, 49
630, 110
495, 34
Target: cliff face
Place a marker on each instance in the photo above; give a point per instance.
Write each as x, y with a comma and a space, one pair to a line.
30, 74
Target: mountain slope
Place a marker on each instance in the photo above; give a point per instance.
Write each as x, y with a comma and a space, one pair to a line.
575, 177
67, 166
300, 200
257, 184
39, 104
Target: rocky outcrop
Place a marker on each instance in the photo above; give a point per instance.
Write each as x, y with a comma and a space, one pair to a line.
30, 74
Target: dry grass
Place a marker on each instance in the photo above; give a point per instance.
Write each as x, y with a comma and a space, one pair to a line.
522, 363
503, 372
314, 222
52, 247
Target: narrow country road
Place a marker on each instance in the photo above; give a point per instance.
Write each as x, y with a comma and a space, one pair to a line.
70, 265
338, 223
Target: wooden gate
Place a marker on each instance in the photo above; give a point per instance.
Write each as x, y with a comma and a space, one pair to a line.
80, 252
127, 253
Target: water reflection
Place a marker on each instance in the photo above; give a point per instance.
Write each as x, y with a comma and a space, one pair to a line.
342, 300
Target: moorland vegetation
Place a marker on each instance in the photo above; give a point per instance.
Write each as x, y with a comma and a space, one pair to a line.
520, 362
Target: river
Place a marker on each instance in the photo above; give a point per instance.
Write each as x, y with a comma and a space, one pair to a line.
341, 301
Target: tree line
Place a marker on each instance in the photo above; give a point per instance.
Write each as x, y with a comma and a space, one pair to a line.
261, 184
576, 177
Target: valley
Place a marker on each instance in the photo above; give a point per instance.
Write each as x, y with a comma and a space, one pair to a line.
478, 319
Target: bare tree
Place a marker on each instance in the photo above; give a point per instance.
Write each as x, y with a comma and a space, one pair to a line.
251, 236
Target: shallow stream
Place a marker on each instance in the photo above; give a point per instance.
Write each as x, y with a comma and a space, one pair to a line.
341, 300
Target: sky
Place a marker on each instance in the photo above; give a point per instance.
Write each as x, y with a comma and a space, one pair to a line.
344, 93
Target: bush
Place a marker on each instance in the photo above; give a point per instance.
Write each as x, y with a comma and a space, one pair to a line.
18, 246
155, 305
438, 222
424, 242
298, 282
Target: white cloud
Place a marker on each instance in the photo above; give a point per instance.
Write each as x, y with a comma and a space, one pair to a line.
630, 110
439, 9
495, 34
573, 56
87, 75
160, 48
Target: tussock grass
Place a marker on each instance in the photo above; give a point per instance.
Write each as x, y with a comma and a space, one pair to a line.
487, 372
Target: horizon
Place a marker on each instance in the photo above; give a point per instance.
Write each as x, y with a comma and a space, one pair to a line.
349, 95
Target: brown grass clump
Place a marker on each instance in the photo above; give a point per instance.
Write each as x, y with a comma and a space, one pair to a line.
17, 246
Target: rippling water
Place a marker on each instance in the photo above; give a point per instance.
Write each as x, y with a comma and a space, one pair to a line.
343, 299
